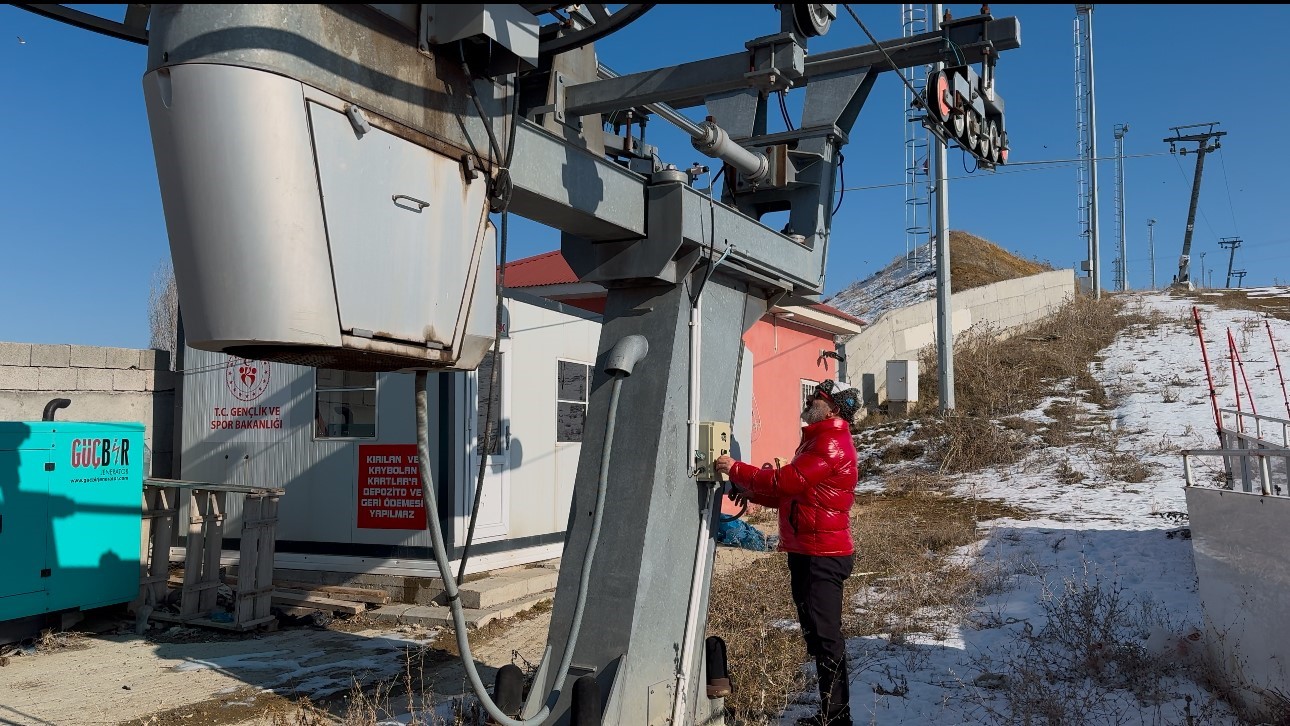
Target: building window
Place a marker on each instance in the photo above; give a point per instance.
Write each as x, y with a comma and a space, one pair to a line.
344, 404
573, 381
808, 391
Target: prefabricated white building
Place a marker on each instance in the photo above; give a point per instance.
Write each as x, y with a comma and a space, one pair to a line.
343, 446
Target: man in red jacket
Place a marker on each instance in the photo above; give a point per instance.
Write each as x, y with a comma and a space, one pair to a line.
814, 493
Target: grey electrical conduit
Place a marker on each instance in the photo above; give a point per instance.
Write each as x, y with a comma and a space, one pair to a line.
619, 363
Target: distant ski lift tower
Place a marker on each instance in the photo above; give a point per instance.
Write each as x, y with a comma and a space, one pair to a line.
918, 228
1123, 266
1086, 142
1231, 243
1203, 147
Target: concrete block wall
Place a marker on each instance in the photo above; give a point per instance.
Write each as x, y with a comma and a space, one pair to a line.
1008, 306
103, 384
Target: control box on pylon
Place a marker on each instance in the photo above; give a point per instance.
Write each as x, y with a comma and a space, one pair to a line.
714, 442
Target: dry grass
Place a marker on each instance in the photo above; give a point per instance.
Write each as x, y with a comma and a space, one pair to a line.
959, 444
997, 378
1277, 307
55, 640
976, 262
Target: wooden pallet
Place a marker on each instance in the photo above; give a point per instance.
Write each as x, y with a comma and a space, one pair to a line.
201, 579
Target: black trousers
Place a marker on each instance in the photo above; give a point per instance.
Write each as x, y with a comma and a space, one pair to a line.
817, 593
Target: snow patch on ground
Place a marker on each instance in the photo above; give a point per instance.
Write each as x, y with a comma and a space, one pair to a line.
321, 673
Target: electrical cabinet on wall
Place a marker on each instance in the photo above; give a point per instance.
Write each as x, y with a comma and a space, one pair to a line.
70, 512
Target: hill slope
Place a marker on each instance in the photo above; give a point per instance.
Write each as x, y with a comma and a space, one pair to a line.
973, 262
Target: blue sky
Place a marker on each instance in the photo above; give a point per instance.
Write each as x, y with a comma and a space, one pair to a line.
82, 227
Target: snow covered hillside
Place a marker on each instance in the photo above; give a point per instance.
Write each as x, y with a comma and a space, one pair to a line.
898, 285
1095, 617
974, 262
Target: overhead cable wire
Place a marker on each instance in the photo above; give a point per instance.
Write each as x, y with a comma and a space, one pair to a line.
885, 54
1028, 166
1231, 207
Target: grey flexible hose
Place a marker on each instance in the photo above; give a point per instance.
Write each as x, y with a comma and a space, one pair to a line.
450, 584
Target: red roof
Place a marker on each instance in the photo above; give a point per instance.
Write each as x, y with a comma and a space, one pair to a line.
550, 268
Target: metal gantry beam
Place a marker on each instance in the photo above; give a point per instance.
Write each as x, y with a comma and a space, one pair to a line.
689, 84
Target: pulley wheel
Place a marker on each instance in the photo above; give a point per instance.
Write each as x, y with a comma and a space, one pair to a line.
813, 20
986, 143
992, 135
972, 135
937, 91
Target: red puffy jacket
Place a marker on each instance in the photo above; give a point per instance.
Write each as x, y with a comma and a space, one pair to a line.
814, 492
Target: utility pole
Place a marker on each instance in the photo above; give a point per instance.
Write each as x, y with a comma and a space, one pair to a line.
1120, 130
944, 306
1203, 147
1240, 277
1086, 140
1151, 245
1231, 243
1202, 270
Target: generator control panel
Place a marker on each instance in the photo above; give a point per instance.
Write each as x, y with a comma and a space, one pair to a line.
714, 442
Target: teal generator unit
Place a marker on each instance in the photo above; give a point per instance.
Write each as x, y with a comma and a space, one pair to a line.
70, 515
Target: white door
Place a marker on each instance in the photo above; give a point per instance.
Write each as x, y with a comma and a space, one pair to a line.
494, 506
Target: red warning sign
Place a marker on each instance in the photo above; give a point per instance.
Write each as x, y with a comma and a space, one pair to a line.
389, 487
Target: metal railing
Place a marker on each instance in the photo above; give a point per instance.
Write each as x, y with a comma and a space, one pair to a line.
1264, 471
1263, 426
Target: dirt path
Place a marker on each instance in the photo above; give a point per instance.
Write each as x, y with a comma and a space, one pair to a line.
124, 678
120, 678
189, 676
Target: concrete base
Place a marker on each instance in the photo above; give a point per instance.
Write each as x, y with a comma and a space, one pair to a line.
478, 592
429, 616
900, 408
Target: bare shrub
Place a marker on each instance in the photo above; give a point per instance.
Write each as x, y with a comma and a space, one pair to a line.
960, 444
1067, 474
1126, 467
1087, 664
163, 311
897, 453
